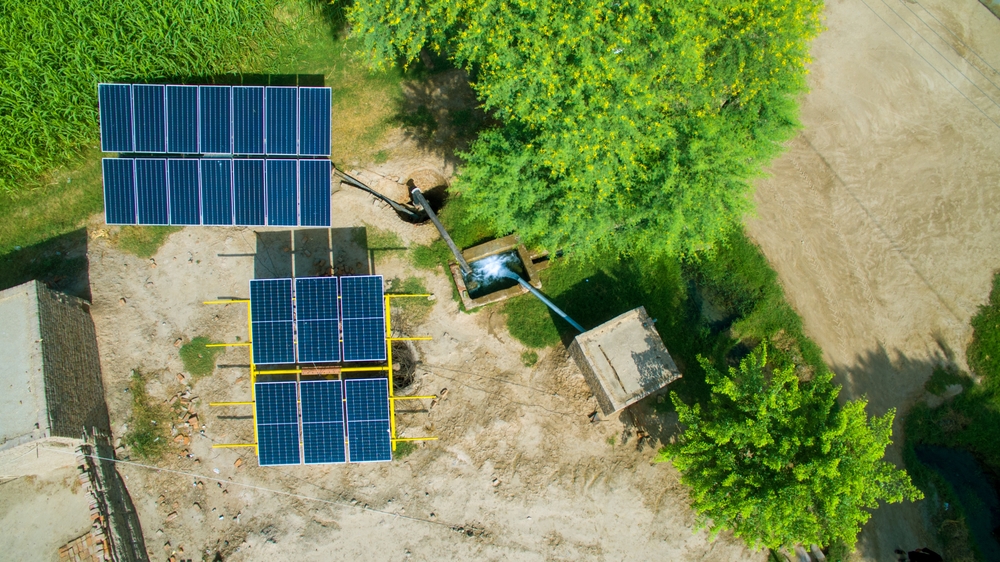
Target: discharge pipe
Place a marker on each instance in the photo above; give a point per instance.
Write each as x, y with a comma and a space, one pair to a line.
511, 275
419, 199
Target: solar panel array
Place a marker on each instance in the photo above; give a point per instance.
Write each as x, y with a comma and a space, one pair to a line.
329, 319
238, 120
211, 191
317, 422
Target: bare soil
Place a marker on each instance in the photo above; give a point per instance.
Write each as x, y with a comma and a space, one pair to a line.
883, 218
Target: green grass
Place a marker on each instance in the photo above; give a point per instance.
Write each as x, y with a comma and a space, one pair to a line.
149, 426
983, 354
53, 54
529, 358
198, 359
403, 449
381, 157
143, 241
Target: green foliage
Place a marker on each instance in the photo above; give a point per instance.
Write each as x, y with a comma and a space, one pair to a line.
199, 360
983, 354
403, 449
148, 429
529, 358
944, 376
53, 54
630, 127
778, 463
143, 241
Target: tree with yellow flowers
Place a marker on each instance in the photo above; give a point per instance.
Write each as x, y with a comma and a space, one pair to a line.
626, 126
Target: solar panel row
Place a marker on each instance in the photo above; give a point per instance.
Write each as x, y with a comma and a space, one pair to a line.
209, 191
316, 318
245, 120
327, 406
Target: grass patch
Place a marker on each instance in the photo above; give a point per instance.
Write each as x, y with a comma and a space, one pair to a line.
148, 429
403, 449
382, 243
983, 354
381, 157
199, 360
529, 358
411, 311
143, 241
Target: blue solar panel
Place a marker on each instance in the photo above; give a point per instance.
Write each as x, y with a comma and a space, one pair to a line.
116, 117
151, 190
182, 119
248, 120
314, 121
216, 119
314, 192
119, 191
217, 192
277, 423
271, 321
185, 200
323, 421
149, 118
316, 313
282, 206
363, 311
282, 120
248, 192
368, 431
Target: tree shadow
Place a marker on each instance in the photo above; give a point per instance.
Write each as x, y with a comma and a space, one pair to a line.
59, 262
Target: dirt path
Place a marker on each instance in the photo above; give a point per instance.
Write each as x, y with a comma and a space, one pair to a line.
883, 218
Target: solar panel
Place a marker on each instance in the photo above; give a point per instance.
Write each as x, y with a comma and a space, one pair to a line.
182, 119
323, 421
248, 120
277, 423
314, 192
368, 432
185, 200
316, 315
216, 112
151, 191
116, 117
248, 192
271, 321
363, 306
282, 120
119, 191
149, 117
217, 192
282, 204
314, 121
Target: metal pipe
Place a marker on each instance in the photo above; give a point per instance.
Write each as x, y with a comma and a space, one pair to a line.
399, 208
419, 199
511, 275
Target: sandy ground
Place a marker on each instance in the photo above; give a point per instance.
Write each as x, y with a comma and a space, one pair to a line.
883, 218
519, 472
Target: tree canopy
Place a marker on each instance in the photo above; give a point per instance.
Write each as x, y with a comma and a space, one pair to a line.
630, 126
778, 463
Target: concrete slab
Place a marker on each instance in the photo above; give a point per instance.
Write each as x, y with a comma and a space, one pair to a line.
23, 412
624, 360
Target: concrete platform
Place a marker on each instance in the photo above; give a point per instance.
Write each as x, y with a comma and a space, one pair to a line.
492, 248
624, 360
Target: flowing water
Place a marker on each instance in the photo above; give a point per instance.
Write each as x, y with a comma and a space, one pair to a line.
487, 274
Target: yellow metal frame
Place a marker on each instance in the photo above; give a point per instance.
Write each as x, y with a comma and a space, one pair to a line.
297, 372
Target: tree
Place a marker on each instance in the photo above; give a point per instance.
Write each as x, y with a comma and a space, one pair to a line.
630, 126
778, 463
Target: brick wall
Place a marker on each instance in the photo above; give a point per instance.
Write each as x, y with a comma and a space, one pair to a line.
74, 392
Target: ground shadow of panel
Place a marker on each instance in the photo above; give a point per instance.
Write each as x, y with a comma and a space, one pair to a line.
274, 255
313, 252
312, 257
60, 263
